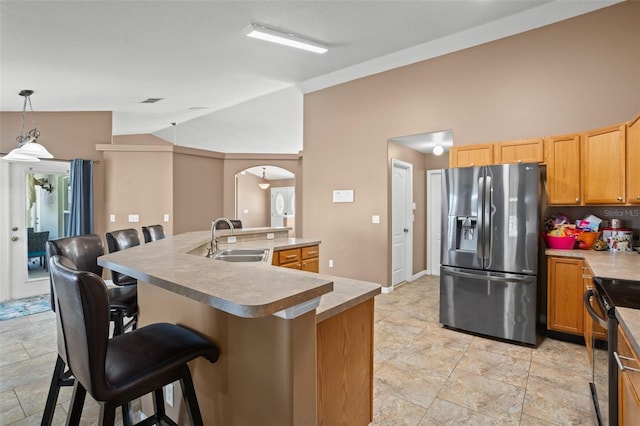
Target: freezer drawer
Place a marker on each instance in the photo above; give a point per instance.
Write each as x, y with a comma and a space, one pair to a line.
490, 303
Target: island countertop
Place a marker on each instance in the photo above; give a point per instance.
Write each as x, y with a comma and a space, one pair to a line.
247, 290
250, 290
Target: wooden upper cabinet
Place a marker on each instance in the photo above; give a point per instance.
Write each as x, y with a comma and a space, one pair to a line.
520, 151
562, 155
471, 155
633, 155
603, 166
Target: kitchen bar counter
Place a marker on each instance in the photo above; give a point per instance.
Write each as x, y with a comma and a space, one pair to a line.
236, 288
629, 320
280, 359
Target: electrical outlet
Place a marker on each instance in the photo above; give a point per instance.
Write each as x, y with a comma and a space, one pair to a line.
168, 394
270, 236
231, 240
330, 263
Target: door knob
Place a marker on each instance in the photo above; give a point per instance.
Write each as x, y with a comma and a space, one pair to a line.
406, 230
14, 229
14, 238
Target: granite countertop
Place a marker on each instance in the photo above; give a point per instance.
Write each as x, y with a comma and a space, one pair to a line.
606, 264
617, 265
629, 320
250, 290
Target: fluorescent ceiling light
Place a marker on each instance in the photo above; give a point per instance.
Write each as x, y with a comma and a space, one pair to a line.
269, 34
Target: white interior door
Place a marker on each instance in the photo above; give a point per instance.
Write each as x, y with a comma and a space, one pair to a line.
401, 222
32, 206
434, 217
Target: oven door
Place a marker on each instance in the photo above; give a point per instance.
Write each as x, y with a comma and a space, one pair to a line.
596, 336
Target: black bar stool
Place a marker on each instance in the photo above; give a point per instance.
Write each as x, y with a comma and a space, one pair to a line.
152, 233
117, 371
121, 240
83, 251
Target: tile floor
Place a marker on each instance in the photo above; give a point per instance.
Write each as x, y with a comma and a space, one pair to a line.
424, 374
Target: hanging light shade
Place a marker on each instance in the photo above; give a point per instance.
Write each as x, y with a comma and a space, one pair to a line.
264, 184
29, 150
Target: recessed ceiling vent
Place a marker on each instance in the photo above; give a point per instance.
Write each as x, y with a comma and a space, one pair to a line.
151, 100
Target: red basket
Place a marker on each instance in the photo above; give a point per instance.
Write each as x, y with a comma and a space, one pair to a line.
562, 243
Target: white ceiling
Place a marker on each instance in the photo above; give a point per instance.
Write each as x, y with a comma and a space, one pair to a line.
227, 92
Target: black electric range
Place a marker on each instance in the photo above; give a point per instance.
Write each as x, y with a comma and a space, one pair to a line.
609, 293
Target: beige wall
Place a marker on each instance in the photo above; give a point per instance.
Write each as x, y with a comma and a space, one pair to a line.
575, 75
198, 192
253, 199
67, 135
138, 183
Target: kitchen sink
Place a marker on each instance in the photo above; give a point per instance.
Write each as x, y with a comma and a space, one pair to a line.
242, 255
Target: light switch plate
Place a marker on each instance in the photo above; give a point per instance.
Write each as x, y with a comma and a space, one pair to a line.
112, 218
166, 217
375, 219
343, 196
134, 218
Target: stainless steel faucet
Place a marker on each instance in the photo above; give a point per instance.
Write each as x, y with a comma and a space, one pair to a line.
213, 247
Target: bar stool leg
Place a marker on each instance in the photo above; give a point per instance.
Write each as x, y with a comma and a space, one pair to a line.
60, 378
77, 402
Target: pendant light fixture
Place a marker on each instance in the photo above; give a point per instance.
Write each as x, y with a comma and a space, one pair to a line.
29, 150
264, 184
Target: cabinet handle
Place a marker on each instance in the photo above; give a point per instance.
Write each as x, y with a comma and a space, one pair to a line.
577, 200
624, 367
637, 197
312, 253
619, 198
291, 256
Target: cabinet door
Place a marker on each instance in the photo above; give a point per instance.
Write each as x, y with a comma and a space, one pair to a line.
471, 155
521, 151
562, 155
628, 382
603, 164
311, 265
633, 156
565, 312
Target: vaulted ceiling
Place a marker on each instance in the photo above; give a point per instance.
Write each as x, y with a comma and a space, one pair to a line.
224, 91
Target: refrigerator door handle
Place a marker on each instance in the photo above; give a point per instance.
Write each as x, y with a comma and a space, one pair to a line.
512, 278
486, 220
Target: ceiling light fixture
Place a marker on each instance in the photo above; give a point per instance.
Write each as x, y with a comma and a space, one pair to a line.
438, 150
263, 183
275, 36
29, 150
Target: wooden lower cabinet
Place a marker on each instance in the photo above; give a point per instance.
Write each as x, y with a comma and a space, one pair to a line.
628, 382
565, 289
304, 258
345, 367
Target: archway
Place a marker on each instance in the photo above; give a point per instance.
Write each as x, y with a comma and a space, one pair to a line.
267, 202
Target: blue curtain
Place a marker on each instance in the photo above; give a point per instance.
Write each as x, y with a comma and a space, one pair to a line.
81, 210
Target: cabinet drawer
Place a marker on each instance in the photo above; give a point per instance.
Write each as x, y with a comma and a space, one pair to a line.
287, 256
309, 252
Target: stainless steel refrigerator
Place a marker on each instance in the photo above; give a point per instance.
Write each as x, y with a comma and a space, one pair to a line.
489, 256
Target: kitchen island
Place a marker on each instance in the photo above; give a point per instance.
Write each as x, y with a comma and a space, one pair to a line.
296, 347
